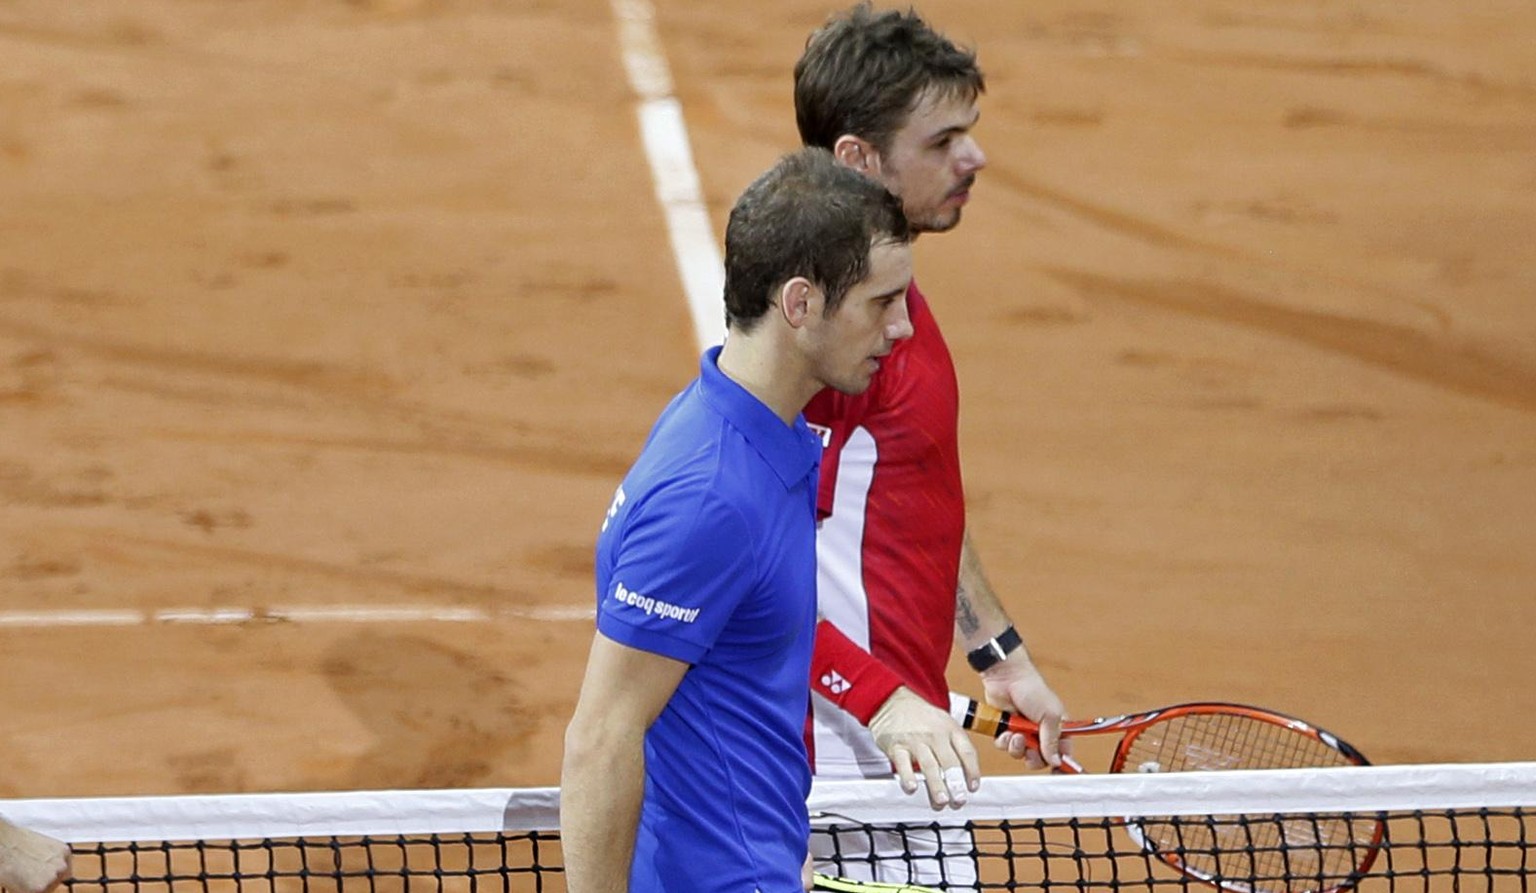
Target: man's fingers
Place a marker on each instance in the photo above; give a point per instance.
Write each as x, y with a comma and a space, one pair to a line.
964, 776
1022, 747
1050, 738
958, 786
918, 737
970, 763
1017, 746
933, 777
901, 759
32, 863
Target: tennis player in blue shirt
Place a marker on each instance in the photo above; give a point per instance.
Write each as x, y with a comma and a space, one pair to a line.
685, 766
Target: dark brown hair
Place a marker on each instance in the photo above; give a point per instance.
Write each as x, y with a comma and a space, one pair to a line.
806, 216
863, 73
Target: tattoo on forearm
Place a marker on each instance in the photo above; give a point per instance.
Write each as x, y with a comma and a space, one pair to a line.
965, 615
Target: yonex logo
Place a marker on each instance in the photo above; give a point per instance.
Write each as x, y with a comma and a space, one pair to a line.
835, 683
823, 432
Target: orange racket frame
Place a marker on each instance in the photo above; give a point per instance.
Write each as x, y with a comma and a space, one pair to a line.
1304, 746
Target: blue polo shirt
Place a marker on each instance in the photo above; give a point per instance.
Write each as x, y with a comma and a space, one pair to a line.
708, 556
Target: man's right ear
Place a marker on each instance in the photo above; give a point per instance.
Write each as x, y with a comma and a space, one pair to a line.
854, 152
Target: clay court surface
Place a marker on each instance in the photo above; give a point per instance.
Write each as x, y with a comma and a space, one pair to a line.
370, 304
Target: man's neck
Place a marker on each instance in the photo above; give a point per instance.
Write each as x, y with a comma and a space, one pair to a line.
768, 372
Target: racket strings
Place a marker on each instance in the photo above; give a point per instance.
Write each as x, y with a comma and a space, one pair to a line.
1214, 741
1266, 854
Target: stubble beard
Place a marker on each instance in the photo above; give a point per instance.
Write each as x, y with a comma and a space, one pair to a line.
935, 224
941, 221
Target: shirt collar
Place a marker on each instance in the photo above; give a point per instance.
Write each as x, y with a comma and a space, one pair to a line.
791, 451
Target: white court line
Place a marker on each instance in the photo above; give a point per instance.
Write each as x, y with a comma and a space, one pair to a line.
677, 182
288, 614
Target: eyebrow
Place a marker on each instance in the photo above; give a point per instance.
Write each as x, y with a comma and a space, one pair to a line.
955, 129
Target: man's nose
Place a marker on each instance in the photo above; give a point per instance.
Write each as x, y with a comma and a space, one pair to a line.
972, 159
899, 328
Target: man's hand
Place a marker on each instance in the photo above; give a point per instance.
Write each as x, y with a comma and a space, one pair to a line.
31, 862
1015, 685
909, 730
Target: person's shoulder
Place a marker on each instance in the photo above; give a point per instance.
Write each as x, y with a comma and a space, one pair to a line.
686, 433
694, 481
691, 519
698, 455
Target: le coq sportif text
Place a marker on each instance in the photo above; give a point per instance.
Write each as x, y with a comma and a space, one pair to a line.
654, 607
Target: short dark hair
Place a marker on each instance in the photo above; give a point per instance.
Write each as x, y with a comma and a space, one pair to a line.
863, 72
806, 216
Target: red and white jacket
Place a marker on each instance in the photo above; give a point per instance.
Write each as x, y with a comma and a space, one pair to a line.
891, 509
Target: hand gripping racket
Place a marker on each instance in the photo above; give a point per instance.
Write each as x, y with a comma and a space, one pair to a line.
1320, 853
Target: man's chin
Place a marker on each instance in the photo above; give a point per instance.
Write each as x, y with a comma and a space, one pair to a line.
853, 388
937, 223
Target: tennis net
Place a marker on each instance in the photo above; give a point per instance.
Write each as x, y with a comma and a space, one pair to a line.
1454, 827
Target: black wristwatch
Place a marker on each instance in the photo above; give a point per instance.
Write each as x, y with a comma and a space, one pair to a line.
996, 649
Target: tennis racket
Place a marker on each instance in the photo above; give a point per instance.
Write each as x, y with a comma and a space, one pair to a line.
1245, 854
830, 884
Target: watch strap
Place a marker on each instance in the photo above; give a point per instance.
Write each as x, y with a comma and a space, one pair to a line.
995, 650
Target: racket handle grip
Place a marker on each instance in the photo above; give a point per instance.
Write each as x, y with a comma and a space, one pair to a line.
974, 716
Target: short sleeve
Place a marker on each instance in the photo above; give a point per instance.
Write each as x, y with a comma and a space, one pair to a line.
682, 565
